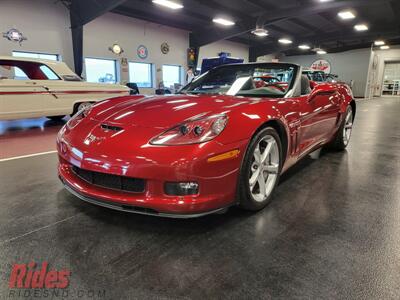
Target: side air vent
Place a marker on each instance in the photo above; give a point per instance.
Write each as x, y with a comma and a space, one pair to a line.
107, 127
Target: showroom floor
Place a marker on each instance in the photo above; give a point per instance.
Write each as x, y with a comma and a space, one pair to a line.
332, 230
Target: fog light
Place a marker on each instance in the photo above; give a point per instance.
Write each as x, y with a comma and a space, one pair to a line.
181, 188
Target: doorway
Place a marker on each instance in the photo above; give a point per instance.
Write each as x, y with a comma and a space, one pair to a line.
391, 79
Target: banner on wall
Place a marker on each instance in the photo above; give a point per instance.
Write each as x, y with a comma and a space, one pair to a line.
321, 65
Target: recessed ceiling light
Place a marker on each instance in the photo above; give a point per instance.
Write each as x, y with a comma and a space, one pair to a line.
260, 32
379, 43
285, 41
325, 0
346, 15
223, 21
361, 27
321, 52
168, 3
385, 47
304, 47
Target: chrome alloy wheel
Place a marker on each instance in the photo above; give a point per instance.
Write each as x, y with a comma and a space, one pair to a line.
264, 168
348, 127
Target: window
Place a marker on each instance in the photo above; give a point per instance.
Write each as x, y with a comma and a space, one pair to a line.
10, 71
238, 80
26, 70
36, 55
171, 75
101, 70
49, 73
141, 74
21, 75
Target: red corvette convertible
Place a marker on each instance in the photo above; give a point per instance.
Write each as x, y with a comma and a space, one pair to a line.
221, 141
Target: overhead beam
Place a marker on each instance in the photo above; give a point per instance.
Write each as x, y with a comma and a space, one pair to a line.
81, 13
212, 34
88, 10
272, 47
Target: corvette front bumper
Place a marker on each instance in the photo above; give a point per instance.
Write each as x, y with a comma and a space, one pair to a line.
217, 181
135, 209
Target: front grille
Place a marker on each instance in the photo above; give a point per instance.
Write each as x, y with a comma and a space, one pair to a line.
115, 182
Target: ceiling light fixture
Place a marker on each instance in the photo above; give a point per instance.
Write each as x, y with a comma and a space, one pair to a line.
361, 27
321, 52
386, 47
260, 32
168, 3
223, 21
325, 0
304, 47
379, 43
285, 41
346, 15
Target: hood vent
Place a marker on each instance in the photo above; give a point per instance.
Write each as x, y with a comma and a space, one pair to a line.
107, 127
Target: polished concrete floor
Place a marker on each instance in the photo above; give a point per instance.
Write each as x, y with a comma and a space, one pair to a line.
332, 231
28, 136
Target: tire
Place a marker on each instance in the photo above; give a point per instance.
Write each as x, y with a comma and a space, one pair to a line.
250, 195
342, 137
80, 106
56, 118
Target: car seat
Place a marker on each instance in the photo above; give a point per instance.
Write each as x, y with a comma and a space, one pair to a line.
305, 85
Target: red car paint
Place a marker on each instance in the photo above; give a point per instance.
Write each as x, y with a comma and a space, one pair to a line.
307, 122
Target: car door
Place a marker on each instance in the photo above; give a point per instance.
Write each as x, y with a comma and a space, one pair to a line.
319, 112
23, 99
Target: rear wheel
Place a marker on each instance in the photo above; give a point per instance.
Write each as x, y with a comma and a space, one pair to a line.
56, 118
343, 135
260, 170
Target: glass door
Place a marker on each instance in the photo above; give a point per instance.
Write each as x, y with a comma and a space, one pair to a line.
391, 79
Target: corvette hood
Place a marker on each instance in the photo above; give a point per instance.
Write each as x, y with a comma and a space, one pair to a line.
166, 111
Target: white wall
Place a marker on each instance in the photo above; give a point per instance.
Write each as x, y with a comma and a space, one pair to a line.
235, 49
349, 65
130, 33
44, 23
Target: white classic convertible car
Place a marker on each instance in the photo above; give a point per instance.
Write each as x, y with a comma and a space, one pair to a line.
31, 88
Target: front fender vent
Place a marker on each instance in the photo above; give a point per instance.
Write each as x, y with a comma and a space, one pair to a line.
107, 127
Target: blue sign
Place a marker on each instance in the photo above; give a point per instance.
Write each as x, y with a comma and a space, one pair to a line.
142, 52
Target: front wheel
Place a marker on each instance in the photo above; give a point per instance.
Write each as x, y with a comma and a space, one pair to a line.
81, 106
343, 134
260, 170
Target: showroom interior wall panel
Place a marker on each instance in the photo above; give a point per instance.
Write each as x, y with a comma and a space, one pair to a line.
130, 33
45, 23
349, 65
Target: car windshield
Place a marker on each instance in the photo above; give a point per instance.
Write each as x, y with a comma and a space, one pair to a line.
258, 80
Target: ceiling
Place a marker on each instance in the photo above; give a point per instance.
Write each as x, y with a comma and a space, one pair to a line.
303, 21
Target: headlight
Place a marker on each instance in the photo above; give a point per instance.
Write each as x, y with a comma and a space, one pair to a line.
192, 132
79, 116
